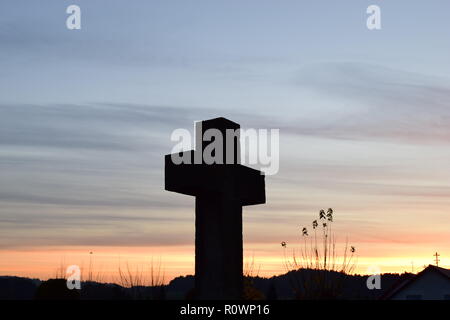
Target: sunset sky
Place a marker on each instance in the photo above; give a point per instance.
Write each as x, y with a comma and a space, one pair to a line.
86, 117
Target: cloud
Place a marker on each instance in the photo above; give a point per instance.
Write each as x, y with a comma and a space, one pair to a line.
377, 103
91, 168
87, 199
102, 126
109, 155
94, 127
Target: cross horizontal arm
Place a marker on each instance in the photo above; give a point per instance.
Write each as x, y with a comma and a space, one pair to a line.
240, 182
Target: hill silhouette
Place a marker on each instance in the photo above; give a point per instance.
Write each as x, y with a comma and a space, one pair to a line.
276, 287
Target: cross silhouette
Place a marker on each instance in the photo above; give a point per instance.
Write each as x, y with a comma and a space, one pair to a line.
220, 191
437, 258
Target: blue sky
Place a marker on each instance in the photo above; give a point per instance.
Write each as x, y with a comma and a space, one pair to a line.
86, 117
210, 54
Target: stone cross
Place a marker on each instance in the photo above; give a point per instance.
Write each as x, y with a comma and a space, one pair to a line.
220, 190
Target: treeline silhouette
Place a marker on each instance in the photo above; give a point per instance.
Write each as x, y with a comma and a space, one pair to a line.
274, 288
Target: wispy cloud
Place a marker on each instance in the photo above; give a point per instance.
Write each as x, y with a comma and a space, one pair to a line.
377, 103
108, 156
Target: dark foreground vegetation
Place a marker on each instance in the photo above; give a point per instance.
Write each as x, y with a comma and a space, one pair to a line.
276, 288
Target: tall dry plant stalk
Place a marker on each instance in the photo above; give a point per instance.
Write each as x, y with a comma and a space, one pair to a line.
250, 269
60, 272
316, 270
91, 274
139, 278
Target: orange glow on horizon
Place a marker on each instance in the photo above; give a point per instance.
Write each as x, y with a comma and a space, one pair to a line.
173, 261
